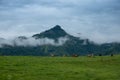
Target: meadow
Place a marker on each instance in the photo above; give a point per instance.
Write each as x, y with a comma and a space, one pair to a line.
59, 68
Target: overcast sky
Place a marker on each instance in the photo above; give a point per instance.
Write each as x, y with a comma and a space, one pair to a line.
98, 20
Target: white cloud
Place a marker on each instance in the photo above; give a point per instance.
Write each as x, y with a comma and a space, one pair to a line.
95, 19
32, 41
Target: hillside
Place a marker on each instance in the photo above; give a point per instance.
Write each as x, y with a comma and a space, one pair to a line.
55, 41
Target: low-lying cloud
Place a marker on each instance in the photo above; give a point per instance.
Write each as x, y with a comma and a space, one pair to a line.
32, 42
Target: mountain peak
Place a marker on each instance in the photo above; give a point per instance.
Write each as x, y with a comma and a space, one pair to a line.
53, 33
57, 27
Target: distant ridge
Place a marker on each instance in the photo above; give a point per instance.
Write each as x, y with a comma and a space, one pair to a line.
72, 45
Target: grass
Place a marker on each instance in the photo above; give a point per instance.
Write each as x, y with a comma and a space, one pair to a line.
59, 68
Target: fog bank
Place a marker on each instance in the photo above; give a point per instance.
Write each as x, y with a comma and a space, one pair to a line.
32, 42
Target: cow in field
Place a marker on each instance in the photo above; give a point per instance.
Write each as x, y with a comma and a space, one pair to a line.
74, 55
90, 55
111, 55
100, 54
52, 55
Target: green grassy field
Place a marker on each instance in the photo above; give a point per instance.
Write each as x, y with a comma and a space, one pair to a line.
59, 68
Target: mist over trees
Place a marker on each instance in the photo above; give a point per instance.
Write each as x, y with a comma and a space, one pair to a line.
55, 41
